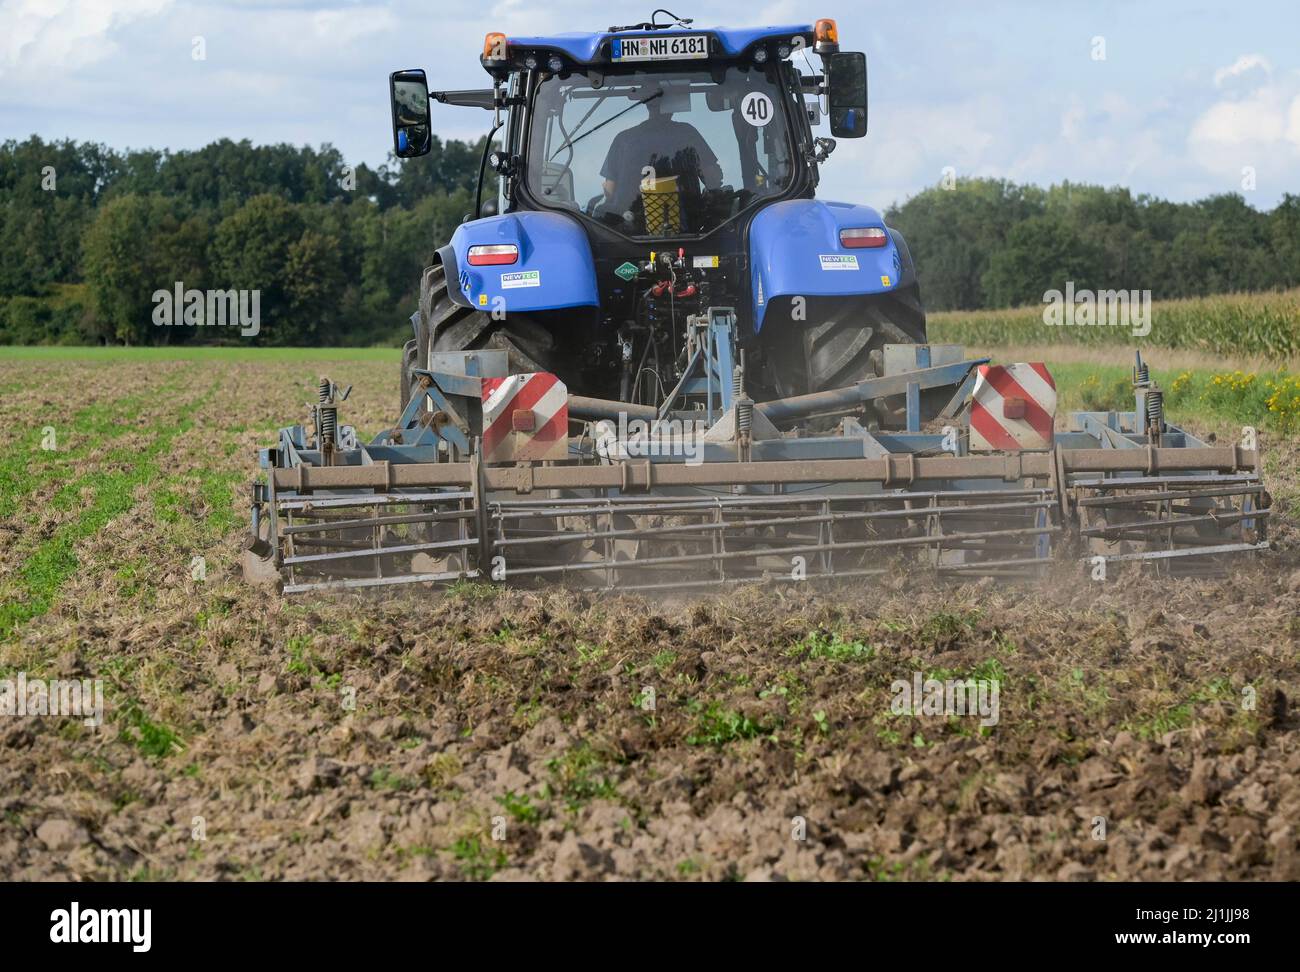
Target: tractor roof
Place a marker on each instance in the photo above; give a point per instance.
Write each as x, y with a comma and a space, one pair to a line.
595, 48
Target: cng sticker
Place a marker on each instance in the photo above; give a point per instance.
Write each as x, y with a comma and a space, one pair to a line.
627, 271
839, 261
523, 278
884, 281
482, 300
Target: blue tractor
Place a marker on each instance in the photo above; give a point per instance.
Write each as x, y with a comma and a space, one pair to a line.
643, 175
655, 360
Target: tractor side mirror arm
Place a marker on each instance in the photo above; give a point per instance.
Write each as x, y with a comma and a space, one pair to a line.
484, 98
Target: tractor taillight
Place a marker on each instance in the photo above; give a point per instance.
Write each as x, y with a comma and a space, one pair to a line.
494, 47
826, 37
858, 239
496, 255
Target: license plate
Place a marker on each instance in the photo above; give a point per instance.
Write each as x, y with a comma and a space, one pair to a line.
682, 47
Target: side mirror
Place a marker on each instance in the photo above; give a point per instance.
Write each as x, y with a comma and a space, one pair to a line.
846, 93
409, 93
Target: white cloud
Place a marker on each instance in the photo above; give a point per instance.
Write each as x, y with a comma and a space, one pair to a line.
1245, 65
1257, 125
44, 36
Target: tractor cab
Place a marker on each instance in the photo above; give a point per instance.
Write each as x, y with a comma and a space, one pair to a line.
653, 130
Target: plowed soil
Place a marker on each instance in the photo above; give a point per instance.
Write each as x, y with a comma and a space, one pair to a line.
1146, 729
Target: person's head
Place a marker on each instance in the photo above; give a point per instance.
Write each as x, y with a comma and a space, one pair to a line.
652, 96
664, 100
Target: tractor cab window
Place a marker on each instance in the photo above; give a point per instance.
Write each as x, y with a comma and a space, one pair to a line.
660, 154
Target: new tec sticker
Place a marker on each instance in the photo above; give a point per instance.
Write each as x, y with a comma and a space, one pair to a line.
839, 261
524, 278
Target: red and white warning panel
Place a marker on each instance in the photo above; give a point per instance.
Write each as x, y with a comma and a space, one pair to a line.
1012, 407
525, 418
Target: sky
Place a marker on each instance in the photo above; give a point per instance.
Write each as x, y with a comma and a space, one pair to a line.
1175, 99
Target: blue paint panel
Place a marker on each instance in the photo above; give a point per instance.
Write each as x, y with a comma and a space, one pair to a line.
584, 48
555, 268
795, 250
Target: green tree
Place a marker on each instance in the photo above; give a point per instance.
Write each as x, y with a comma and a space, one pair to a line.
1042, 253
136, 246
251, 251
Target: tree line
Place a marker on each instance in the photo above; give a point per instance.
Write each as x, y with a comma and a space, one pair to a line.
88, 234
986, 243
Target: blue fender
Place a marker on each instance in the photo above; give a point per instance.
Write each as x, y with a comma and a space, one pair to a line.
555, 268
795, 250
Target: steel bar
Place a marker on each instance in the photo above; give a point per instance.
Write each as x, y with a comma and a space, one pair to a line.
432, 516
644, 475
1227, 548
382, 551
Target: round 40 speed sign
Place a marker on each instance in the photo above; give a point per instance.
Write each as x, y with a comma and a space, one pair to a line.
756, 108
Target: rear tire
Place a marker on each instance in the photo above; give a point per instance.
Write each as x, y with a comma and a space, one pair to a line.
843, 341
448, 326
410, 360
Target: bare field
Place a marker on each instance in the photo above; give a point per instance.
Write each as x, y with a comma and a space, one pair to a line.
1146, 730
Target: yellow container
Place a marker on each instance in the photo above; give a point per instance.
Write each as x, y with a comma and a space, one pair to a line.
662, 202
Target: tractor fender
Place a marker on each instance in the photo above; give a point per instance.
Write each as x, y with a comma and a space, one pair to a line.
795, 250
555, 268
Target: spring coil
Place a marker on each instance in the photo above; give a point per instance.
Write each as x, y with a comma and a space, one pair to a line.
1156, 409
1142, 375
329, 415
744, 414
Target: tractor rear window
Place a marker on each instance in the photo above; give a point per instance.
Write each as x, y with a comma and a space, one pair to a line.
660, 154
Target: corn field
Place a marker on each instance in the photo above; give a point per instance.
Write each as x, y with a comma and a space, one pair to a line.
1263, 324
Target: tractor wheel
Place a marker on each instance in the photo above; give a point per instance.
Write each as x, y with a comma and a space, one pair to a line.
410, 359
842, 342
448, 326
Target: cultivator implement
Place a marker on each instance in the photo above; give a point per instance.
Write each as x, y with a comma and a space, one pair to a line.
711, 489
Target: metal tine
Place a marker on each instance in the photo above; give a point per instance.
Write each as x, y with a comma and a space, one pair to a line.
762, 579
1139, 499
938, 540
1173, 523
703, 529
631, 505
301, 503
429, 517
1227, 548
711, 526
361, 582
382, 551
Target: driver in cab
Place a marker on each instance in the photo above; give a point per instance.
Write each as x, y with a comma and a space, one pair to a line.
667, 147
